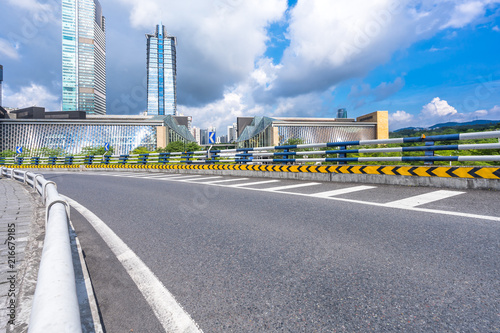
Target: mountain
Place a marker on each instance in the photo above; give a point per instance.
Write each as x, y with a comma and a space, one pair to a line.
469, 123
448, 124
416, 129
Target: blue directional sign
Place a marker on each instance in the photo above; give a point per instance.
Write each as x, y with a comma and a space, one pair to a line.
211, 137
106, 146
19, 150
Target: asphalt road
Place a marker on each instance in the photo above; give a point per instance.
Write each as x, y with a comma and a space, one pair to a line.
240, 259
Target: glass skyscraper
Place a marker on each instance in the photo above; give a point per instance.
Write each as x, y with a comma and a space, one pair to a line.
83, 56
162, 73
1, 80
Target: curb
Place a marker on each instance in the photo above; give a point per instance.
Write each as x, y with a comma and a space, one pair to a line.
89, 310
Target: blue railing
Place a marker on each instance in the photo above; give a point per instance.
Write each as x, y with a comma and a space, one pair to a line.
293, 154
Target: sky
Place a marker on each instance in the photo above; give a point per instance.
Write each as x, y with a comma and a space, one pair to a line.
424, 61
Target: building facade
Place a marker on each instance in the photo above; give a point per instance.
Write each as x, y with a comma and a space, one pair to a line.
1, 80
161, 73
68, 132
83, 56
231, 133
264, 131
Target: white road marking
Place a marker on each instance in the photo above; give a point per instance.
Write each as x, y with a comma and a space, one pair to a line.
138, 175
341, 191
423, 199
376, 204
225, 180
156, 175
280, 188
204, 178
170, 313
253, 183
181, 177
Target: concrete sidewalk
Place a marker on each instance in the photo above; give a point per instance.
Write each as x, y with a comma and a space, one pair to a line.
21, 236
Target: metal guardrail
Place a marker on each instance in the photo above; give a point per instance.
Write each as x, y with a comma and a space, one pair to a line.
285, 154
55, 303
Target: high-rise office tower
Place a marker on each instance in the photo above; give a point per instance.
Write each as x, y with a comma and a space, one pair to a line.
341, 113
83, 56
1, 80
162, 72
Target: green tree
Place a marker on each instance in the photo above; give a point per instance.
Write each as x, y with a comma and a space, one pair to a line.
45, 151
192, 146
89, 150
7, 153
141, 150
175, 146
294, 141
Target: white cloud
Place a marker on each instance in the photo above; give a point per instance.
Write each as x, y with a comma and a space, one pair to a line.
8, 50
331, 41
222, 44
496, 28
480, 113
436, 49
439, 111
495, 112
239, 101
438, 108
464, 13
219, 113
401, 116
32, 95
400, 119
41, 12
379, 93
218, 41
467, 11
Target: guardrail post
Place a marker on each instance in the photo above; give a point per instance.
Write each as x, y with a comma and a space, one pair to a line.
286, 150
188, 157
123, 159
68, 160
343, 155
88, 159
35, 160
52, 160
163, 158
143, 158
429, 152
19, 160
106, 159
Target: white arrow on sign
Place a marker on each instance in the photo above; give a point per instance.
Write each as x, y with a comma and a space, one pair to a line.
211, 137
19, 150
106, 146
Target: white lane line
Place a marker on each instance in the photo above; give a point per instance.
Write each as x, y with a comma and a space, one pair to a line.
181, 177
341, 191
253, 183
170, 313
280, 188
138, 175
160, 175
376, 204
423, 199
225, 180
204, 178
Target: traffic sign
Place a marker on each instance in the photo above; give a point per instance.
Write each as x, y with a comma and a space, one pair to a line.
211, 137
106, 146
19, 150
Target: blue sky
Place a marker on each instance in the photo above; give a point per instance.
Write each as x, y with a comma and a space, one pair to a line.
423, 61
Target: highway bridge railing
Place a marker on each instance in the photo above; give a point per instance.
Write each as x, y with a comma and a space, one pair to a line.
55, 303
317, 153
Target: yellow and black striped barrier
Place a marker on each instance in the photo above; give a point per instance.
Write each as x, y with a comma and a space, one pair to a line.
414, 171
